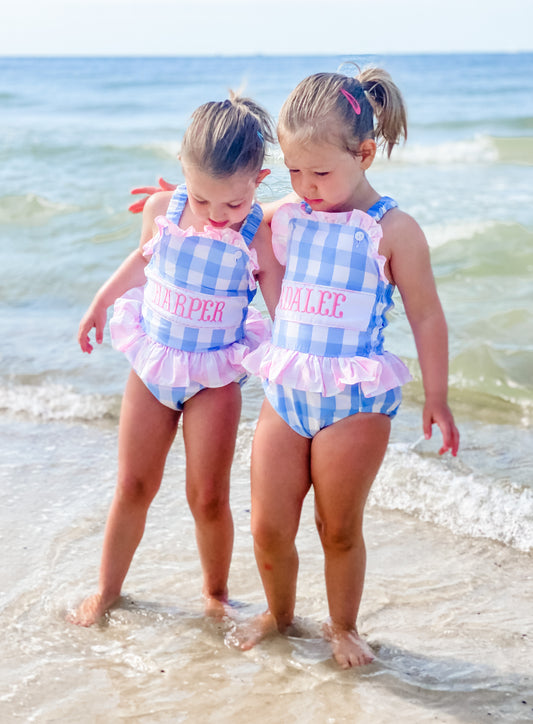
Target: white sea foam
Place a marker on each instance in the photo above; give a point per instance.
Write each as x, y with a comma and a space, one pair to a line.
54, 402
431, 488
480, 149
439, 234
33, 208
461, 502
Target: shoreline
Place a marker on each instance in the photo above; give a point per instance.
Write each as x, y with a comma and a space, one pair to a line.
449, 617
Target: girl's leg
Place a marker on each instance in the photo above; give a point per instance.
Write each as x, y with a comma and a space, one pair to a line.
146, 432
345, 459
210, 423
280, 482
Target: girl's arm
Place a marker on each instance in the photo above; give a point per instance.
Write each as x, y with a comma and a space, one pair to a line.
129, 274
271, 207
270, 274
409, 267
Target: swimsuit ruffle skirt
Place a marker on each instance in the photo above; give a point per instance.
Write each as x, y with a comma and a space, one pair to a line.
377, 370
217, 355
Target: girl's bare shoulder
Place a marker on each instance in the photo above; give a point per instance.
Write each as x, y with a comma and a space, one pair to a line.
403, 245
157, 205
400, 230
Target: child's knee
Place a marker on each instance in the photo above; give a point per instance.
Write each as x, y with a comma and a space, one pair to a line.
134, 491
340, 537
268, 535
209, 505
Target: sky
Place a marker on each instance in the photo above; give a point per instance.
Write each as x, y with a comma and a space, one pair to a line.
263, 27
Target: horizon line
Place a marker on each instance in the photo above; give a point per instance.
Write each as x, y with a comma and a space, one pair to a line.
57, 55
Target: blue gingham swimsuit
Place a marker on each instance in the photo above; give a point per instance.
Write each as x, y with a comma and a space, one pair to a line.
191, 326
326, 359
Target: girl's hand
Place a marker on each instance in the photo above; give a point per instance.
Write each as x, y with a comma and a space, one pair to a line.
138, 206
441, 415
95, 317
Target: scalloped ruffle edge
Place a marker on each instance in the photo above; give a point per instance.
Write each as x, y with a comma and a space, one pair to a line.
158, 364
327, 375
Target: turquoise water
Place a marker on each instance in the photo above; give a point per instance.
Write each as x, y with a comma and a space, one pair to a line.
76, 135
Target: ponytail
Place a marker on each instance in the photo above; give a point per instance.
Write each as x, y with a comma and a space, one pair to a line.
387, 104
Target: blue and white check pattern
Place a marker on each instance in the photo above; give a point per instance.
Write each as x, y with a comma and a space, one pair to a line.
176, 397
309, 412
335, 255
200, 264
338, 256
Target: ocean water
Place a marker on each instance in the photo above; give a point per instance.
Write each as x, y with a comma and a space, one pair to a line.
449, 589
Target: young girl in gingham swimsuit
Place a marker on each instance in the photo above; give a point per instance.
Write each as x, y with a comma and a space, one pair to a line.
186, 326
331, 388
191, 326
326, 359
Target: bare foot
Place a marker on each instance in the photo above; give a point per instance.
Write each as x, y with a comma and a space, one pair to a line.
217, 608
249, 635
348, 648
89, 611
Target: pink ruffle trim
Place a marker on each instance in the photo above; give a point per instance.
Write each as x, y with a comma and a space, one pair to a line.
227, 235
327, 375
155, 363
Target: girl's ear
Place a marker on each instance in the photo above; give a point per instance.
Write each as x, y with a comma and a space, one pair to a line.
367, 153
261, 176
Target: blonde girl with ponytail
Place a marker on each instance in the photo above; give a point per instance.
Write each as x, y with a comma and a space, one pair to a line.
332, 388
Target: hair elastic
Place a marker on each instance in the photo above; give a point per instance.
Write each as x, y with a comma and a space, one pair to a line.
260, 136
351, 100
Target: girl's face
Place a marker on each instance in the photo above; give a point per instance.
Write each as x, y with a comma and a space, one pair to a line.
327, 177
221, 202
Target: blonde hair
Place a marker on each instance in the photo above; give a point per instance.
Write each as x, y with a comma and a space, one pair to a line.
318, 110
225, 137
